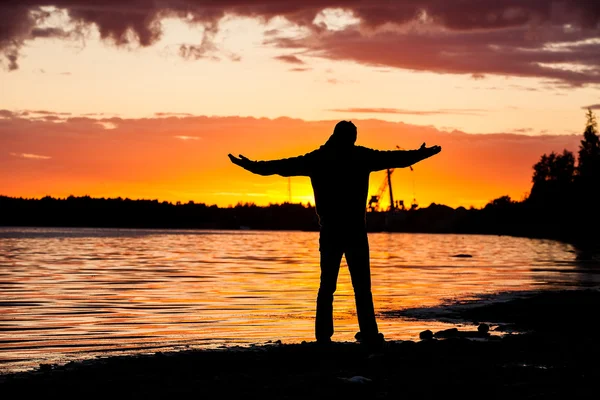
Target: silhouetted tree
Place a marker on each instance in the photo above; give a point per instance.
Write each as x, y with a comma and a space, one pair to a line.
587, 215
588, 164
553, 180
501, 202
118, 212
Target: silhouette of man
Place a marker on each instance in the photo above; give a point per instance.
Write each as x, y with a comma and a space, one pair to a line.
339, 172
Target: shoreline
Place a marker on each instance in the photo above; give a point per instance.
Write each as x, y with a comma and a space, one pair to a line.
556, 358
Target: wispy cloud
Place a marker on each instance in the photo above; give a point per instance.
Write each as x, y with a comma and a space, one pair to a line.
291, 59
35, 114
46, 112
383, 110
30, 156
592, 107
108, 125
523, 130
181, 137
172, 114
526, 88
335, 81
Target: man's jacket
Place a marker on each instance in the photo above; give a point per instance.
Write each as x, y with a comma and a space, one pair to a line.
340, 178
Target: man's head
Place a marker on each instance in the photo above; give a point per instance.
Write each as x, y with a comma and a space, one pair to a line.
344, 135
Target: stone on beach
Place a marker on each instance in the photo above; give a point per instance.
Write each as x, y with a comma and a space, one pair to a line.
426, 335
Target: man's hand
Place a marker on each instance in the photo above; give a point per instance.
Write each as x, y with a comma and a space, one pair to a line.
429, 151
241, 161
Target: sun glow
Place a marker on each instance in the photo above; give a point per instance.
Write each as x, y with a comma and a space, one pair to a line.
91, 107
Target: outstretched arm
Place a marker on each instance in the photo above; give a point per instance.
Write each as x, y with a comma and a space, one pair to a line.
295, 166
379, 160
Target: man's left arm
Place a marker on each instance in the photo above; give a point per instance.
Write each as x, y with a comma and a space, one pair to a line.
381, 159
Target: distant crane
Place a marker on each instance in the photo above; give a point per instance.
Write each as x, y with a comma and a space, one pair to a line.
387, 184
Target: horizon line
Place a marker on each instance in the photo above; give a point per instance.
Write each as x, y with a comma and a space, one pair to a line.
308, 204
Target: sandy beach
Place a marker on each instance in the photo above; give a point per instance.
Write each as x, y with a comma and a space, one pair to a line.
551, 352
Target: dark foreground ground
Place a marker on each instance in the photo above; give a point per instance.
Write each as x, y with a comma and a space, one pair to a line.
558, 359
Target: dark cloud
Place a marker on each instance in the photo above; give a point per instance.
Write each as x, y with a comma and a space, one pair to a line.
476, 14
592, 107
380, 110
16, 24
501, 52
474, 37
300, 69
11, 55
291, 59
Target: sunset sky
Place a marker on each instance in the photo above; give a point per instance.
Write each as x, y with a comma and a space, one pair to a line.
144, 99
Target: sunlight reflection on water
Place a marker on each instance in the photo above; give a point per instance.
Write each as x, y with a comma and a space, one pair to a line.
76, 293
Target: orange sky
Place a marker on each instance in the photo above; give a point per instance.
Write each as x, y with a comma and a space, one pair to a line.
185, 158
145, 99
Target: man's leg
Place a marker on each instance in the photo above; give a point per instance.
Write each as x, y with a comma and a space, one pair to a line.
331, 257
357, 257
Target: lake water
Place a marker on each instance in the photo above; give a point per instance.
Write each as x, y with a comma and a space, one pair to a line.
71, 294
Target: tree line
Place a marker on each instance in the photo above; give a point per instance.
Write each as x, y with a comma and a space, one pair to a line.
563, 202
86, 211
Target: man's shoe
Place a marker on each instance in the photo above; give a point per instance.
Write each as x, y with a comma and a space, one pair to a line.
359, 336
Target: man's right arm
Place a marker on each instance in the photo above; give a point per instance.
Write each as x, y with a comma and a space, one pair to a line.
378, 160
